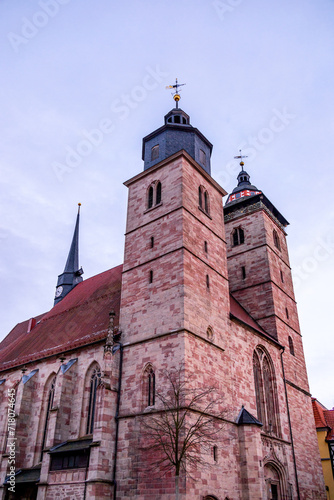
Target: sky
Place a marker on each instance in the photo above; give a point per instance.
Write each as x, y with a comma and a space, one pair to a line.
84, 81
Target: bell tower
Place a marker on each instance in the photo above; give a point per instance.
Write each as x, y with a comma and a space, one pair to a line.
260, 279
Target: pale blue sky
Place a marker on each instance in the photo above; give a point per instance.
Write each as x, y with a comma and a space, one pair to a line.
259, 75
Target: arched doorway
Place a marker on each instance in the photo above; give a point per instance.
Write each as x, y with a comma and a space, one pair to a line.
275, 480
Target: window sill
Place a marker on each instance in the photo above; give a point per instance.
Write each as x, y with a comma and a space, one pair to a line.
152, 208
204, 212
149, 408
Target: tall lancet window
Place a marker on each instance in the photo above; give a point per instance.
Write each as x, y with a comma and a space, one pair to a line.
258, 388
158, 195
150, 197
265, 392
149, 386
94, 380
200, 197
49, 404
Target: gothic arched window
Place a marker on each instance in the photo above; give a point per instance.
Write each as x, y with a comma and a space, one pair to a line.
154, 194
200, 200
291, 346
202, 157
155, 152
277, 242
94, 379
265, 392
158, 195
50, 392
206, 202
238, 236
149, 386
150, 197
258, 388
203, 200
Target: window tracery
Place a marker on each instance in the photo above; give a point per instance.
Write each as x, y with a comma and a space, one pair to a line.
265, 392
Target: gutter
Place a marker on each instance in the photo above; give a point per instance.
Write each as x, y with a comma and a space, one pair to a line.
117, 346
290, 428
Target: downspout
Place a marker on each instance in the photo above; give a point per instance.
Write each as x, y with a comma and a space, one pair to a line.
86, 474
117, 346
287, 407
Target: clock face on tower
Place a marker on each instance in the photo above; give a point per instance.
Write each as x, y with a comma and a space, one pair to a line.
59, 290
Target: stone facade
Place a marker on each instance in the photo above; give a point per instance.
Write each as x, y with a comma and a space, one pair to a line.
80, 409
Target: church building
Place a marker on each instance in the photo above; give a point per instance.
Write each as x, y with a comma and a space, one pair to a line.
205, 289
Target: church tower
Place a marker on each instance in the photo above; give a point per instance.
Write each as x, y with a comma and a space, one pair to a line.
260, 279
175, 297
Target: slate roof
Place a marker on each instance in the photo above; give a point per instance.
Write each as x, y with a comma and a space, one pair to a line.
246, 418
323, 418
81, 318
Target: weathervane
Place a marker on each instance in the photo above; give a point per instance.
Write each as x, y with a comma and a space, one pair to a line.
176, 95
241, 157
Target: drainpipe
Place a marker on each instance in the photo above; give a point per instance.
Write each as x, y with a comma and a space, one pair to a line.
86, 474
287, 407
117, 346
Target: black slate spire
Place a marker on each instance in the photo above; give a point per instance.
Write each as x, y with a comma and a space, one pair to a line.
72, 274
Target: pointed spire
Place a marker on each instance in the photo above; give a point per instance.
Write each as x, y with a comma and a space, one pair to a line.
72, 274
72, 263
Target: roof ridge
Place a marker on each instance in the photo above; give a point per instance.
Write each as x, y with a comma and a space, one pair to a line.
65, 311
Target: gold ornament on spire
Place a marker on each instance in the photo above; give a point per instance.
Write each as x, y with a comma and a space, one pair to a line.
176, 95
240, 157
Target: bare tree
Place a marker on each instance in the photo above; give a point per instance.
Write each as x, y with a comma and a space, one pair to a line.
183, 429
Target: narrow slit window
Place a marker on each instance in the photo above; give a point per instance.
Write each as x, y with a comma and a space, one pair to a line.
205, 246
287, 313
152, 241
151, 276
243, 272
207, 281
215, 453
282, 277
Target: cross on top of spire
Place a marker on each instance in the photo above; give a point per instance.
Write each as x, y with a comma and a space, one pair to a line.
240, 157
176, 95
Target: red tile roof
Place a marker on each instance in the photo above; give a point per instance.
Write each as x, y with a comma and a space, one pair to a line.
242, 315
81, 318
329, 416
323, 418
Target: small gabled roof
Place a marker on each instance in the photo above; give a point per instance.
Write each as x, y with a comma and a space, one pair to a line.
81, 318
246, 418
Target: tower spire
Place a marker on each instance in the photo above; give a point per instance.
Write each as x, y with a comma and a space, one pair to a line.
72, 274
